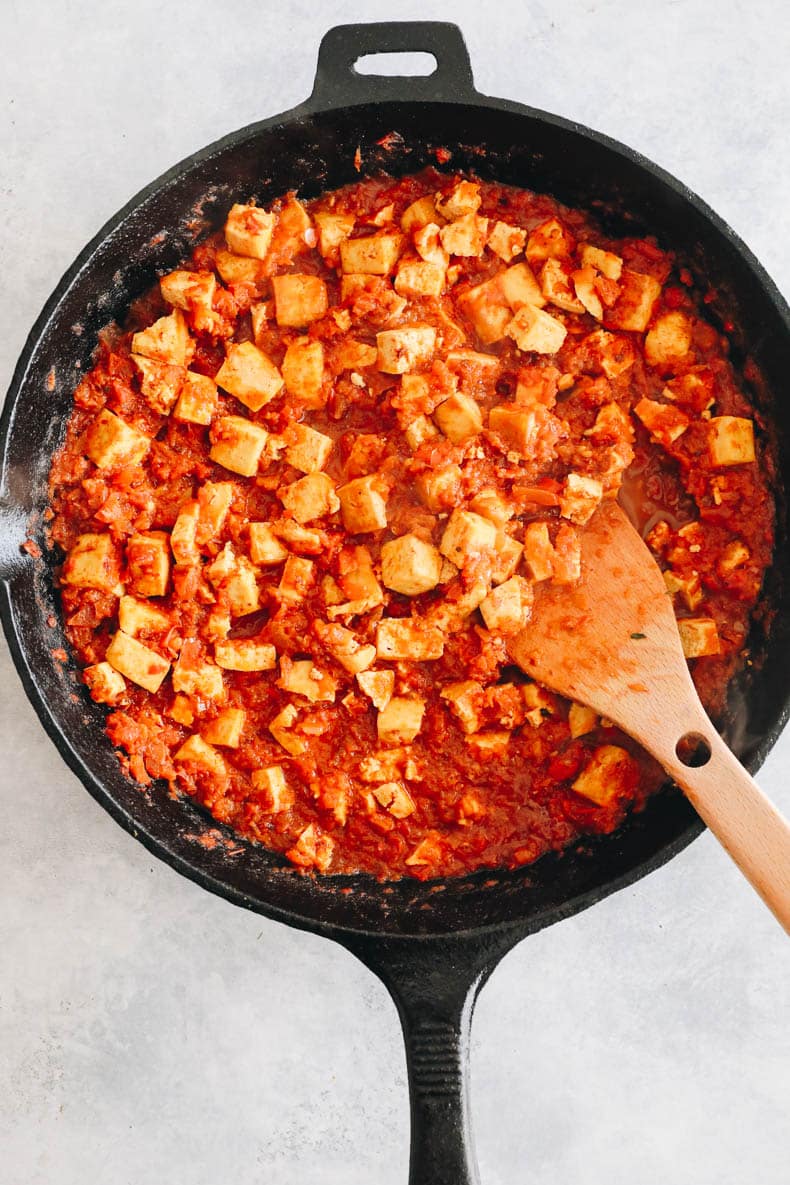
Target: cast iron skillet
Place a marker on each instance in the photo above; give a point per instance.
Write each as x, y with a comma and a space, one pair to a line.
433, 944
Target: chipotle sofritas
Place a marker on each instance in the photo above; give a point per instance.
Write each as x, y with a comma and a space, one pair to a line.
307, 494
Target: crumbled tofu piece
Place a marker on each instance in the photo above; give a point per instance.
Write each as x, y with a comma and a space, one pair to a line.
493, 505
245, 654
111, 443
566, 564
375, 255
294, 230
160, 382
378, 686
506, 241
363, 505
452, 613
198, 752
584, 287
299, 300
333, 229
419, 430
538, 551
530, 430
395, 798
550, 240
465, 236
398, 638
428, 245
507, 553
580, 498
634, 307
239, 269
699, 636
226, 728
487, 309
303, 371
248, 230
428, 851
694, 389
106, 685
689, 587
610, 772
354, 355
304, 678
486, 745
313, 849
148, 562
734, 556
345, 647
605, 262
307, 449
197, 401
196, 676
466, 536
301, 539
270, 783
508, 607
420, 279
459, 418
238, 444
401, 720
419, 214
138, 617
465, 700
401, 351
137, 662
483, 365
669, 340
167, 340
311, 497
581, 720
555, 283
519, 287
535, 330
664, 421
463, 198
731, 440
250, 375
238, 580
409, 565
281, 728
93, 562
440, 488
297, 579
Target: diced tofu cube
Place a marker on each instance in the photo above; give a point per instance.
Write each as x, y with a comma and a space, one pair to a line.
137, 662
580, 498
245, 654
167, 340
307, 449
345, 647
605, 262
214, 500
238, 444
93, 562
304, 678
488, 310
612, 352
111, 443
694, 389
418, 214
465, 700
507, 553
265, 547
181, 711
311, 497
363, 505
731, 440
409, 565
465, 236
538, 551
196, 751
519, 287
428, 851
487, 745
139, 617
555, 283
239, 586
581, 720
303, 371
250, 375
508, 607
184, 534
239, 269
634, 307
106, 685
419, 430
395, 798
535, 330
401, 720
261, 314
440, 488
466, 537
186, 289
567, 560
530, 430
428, 245
148, 562
493, 505
226, 728
459, 418
378, 686
402, 351
699, 636
194, 675
420, 279
281, 728
506, 241
299, 300
610, 773
313, 849
734, 556
669, 340
271, 785
294, 230
375, 255
354, 355
304, 540
160, 382
333, 229
664, 421
463, 198
248, 230
585, 289
689, 587
398, 638
297, 579
550, 240
198, 401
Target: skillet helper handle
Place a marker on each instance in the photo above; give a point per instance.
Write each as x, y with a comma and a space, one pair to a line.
745, 822
338, 84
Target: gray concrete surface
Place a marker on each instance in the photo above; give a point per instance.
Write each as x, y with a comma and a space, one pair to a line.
150, 1032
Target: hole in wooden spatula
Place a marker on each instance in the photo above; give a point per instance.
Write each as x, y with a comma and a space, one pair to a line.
693, 750
400, 65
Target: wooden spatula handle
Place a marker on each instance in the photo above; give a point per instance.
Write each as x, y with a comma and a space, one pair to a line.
740, 816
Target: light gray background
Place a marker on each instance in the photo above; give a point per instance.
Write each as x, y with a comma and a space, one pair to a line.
150, 1032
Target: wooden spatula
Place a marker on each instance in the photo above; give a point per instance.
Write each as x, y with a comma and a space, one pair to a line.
612, 642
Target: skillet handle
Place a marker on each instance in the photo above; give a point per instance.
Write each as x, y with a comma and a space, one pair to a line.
338, 84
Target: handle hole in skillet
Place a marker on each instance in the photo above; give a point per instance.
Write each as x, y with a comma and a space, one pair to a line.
399, 65
693, 750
